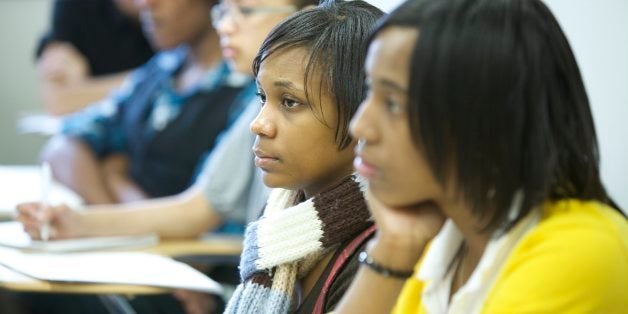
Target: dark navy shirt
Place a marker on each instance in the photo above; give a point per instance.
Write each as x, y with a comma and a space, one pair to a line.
110, 41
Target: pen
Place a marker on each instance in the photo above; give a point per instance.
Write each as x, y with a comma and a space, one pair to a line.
46, 182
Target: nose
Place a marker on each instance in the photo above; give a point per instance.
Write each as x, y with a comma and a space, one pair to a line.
263, 124
224, 25
363, 124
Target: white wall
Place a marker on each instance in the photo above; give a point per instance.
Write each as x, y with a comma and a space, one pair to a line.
598, 33
21, 22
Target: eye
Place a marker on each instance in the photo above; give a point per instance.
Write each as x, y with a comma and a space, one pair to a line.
262, 97
289, 103
393, 106
246, 11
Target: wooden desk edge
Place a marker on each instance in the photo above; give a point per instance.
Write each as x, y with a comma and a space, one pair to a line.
80, 288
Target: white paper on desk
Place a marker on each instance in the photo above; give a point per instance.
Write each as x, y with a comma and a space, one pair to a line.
19, 184
127, 268
8, 275
12, 235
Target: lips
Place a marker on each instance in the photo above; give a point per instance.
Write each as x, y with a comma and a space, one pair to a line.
364, 167
264, 160
229, 52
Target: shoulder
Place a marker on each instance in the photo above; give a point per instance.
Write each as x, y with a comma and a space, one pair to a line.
157, 69
73, 12
590, 231
574, 259
167, 61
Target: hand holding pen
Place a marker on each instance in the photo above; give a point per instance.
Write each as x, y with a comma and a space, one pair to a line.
46, 182
42, 220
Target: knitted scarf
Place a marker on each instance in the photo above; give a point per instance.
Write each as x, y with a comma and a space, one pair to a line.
287, 242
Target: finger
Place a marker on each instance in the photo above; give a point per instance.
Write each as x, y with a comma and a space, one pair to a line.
28, 206
28, 211
27, 220
33, 232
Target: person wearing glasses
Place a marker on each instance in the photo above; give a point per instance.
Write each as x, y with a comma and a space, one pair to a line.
229, 191
150, 137
301, 254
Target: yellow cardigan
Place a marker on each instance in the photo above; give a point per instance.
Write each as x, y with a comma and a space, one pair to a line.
574, 261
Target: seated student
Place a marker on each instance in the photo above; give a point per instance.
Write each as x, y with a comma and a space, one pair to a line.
477, 117
228, 192
87, 51
301, 254
162, 122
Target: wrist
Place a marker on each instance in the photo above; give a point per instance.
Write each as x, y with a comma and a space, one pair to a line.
399, 255
80, 224
365, 259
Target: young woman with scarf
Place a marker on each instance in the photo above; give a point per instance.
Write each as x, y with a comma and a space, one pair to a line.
301, 254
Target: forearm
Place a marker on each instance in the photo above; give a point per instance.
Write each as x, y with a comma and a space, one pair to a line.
183, 216
75, 165
371, 292
123, 189
62, 98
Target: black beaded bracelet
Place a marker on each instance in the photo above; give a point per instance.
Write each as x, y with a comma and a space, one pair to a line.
365, 259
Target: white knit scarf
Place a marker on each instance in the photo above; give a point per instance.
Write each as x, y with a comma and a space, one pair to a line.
289, 240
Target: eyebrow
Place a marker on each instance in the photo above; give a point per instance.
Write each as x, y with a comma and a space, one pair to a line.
285, 84
390, 84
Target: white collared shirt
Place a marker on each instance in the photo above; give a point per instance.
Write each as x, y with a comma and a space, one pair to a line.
470, 297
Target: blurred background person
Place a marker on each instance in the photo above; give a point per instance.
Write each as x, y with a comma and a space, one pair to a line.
87, 51
149, 137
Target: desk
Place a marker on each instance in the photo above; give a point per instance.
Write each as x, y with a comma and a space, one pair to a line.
212, 249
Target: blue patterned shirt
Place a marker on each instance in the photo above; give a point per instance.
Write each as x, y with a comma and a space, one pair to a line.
101, 127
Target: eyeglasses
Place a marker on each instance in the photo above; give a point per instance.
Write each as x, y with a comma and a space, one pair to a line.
240, 13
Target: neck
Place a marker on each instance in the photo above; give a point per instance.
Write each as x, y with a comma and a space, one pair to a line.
470, 227
205, 51
317, 188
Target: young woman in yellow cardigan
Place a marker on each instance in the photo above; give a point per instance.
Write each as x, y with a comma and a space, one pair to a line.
478, 143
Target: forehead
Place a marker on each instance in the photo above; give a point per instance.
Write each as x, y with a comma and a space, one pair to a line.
389, 55
290, 65
286, 63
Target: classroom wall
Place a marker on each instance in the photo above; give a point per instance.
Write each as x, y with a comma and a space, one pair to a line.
598, 33
597, 30
21, 22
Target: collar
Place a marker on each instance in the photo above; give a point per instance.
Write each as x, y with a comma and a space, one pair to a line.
435, 271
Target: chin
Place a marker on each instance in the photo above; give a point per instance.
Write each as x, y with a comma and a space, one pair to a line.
162, 43
240, 67
275, 181
393, 197
270, 182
